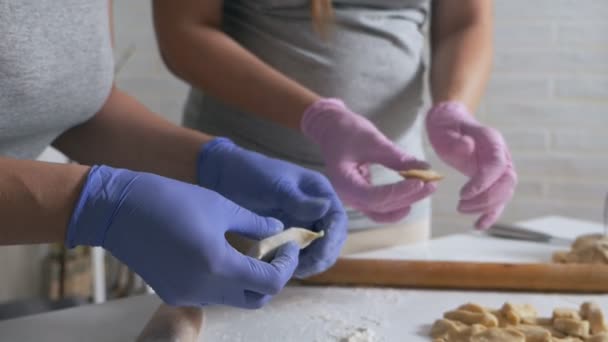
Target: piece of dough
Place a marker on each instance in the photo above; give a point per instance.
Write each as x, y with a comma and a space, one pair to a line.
587, 249
443, 327
467, 334
566, 339
469, 318
534, 333
593, 313
566, 313
514, 314
542, 321
603, 337
472, 307
498, 335
423, 175
266, 248
572, 327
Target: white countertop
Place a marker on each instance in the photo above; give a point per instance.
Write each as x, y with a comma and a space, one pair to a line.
480, 247
315, 314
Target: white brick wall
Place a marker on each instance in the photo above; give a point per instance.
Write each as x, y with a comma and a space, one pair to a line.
548, 94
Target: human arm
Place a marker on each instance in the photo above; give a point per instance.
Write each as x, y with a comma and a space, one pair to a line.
461, 49
126, 134
194, 47
36, 200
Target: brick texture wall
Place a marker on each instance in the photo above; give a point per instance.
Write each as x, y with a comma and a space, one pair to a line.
548, 95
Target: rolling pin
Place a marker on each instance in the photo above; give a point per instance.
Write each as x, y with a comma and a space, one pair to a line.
576, 278
173, 324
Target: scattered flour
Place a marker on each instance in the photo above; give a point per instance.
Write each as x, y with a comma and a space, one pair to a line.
360, 335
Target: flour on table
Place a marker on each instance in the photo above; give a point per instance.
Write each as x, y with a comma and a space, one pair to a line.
360, 335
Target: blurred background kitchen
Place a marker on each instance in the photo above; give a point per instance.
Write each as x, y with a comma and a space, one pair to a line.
548, 95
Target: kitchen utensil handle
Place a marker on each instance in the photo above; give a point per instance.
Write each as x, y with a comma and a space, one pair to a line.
173, 324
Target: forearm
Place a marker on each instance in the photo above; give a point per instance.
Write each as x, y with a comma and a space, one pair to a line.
125, 134
461, 58
207, 58
37, 200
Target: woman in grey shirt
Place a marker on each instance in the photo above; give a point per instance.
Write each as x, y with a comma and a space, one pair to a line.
264, 78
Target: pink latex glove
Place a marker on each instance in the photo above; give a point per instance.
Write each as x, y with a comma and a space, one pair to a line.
478, 152
349, 144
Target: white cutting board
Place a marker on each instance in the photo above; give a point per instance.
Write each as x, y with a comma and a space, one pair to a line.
479, 247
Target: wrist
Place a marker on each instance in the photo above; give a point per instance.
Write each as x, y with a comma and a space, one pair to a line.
315, 118
449, 111
209, 164
101, 193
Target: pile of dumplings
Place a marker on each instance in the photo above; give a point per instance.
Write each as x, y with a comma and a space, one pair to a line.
520, 323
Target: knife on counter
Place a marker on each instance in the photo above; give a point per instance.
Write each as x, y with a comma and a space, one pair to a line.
510, 231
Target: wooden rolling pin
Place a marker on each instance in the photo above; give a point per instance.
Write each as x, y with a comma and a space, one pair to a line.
172, 324
466, 275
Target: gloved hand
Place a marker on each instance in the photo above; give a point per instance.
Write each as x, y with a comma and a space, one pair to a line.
172, 234
297, 196
349, 144
478, 152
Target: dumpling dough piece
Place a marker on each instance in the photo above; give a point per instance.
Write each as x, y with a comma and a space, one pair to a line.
566, 339
443, 327
572, 327
514, 313
566, 313
499, 335
472, 307
423, 175
468, 317
588, 249
266, 248
467, 334
534, 333
520, 323
603, 337
593, 313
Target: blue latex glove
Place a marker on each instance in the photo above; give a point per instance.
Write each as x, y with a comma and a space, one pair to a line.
172, 234
271, 187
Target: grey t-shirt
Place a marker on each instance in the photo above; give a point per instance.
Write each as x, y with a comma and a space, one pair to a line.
55, 70
374, 62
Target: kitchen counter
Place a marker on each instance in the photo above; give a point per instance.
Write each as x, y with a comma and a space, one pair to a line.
305, 313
